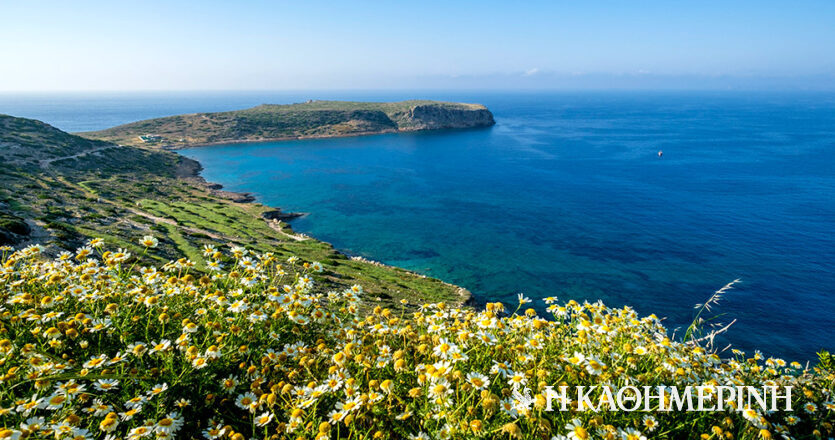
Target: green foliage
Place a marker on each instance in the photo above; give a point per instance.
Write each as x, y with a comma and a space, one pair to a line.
13, 223
826, 361
119, 192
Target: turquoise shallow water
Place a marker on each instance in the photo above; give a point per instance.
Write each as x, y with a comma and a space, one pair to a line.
565, 196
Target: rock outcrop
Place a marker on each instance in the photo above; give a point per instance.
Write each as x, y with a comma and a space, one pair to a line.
433, 117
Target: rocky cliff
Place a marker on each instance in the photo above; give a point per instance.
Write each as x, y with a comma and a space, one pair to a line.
433, 117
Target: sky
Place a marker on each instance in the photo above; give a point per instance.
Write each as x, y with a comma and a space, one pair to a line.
277, 45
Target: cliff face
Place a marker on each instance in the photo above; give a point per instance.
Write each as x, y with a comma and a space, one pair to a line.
430, 117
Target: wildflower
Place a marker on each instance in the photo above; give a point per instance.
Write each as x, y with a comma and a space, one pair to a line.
264, 419
83, 253
444, 349
650, 423
594, 365
478, 380
161, 346
632, 434
149, 241
136, 402
32, 424
752, 416
96, 362
106, 384
577, 359
517, 378
139, 432
229, 384
55, 401
182, 403
80, 434
348, 405
110, 423
213, 352
576, 431
169, 424
137, 349
523, 299
214, 432
247, 401
440, 388
336, 416
158, 389
510, 407
334, 383
238, 306
200, 362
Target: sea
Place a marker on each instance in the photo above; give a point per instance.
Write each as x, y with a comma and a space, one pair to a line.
652, 200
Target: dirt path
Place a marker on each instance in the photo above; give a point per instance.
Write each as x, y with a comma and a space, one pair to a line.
45, 163
155, 218
168, 221
274, 224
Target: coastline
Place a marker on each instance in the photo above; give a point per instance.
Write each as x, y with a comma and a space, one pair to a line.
189, 169
283, 122
186, 145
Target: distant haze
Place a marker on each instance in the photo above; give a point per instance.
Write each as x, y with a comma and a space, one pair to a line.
214, 45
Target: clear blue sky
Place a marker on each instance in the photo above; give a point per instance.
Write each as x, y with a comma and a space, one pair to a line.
114, 45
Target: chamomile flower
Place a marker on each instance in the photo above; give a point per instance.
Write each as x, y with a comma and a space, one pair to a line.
576, 430
247, 401
149, 241
478, 380
264, 419
106, 384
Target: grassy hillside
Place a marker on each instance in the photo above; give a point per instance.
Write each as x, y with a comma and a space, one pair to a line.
61, 190
310, 119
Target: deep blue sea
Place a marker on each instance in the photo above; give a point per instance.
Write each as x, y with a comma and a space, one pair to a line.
565, 196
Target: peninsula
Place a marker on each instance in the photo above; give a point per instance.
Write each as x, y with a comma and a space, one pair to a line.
312, 119
60, 190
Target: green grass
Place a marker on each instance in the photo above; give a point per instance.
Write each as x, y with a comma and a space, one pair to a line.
110, 195
184, 246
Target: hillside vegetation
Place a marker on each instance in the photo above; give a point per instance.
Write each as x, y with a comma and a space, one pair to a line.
310, 119
60, 190
93, 343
